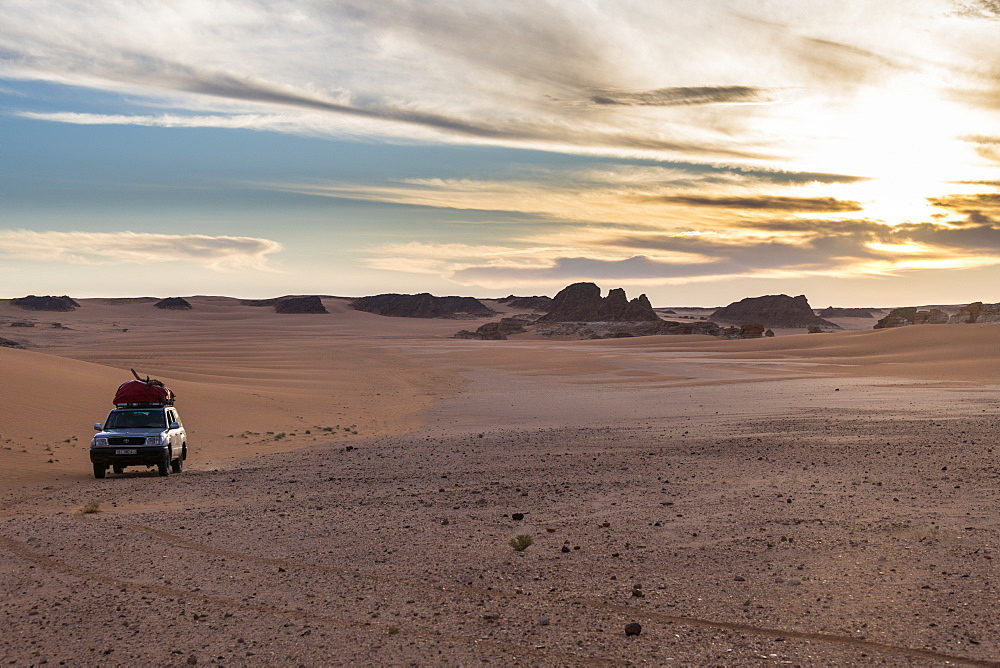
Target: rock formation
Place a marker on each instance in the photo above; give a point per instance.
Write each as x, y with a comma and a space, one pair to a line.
621, 330
753, 330
910, 315
831, 312
771, 311
582, 302
543, 304
495, 331
7, 343
976, 312
423, 305
308, 304
46, 303
173, 303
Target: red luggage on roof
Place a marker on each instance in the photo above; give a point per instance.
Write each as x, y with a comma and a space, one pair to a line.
139, 391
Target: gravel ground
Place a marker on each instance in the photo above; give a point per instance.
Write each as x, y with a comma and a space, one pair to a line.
838, 538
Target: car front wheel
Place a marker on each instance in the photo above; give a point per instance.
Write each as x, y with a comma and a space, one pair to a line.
163, 466
100, 470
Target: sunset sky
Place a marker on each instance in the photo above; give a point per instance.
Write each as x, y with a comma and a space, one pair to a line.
700, 151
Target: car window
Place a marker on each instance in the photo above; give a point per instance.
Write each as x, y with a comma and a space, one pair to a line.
136, 419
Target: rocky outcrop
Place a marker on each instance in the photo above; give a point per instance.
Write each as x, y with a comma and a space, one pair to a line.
495, 331
753, 330
174, 303
771, 311
911, 315
582, 302
976, 312
831, 312
543, 304
309, 304
46, 303
423, 305
7, 343
621, 330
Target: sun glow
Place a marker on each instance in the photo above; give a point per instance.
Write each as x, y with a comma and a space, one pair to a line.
905, 138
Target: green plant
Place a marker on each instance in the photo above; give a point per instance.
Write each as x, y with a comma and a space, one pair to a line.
522, 542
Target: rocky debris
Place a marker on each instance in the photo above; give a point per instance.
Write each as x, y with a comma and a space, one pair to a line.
622, 330
772, 311
423, 305
7, 343
22, 323
813, 329
582, 302
633, 629
832, 312
174, 303
527, 303
768, 333
976, 312
495, 331
46, 303
753, 330
308, 304
911, 315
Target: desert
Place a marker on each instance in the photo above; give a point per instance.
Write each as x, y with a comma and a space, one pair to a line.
356, 482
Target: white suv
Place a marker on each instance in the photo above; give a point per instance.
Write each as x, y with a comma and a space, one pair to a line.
140, 436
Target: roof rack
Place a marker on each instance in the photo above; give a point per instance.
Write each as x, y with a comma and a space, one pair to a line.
146, 404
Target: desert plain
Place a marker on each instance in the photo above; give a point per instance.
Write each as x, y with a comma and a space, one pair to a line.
355, 482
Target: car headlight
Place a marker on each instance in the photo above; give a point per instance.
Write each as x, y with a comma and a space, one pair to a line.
100, 442
154, 440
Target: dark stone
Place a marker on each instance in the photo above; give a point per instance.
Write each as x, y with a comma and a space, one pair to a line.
174, 303
582, 302
423, 305
976, 312
7, 343
753, 330
831, 312
910, 315
46, 303
527, 303
771, 311
309, 304
618, 330
495, 331
517, 516
633, 629
768, 333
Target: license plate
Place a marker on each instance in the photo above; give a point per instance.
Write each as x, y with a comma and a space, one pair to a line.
126, 451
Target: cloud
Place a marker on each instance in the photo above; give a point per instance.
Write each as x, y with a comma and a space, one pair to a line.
683, 96
780, 248
214, 252
766, 203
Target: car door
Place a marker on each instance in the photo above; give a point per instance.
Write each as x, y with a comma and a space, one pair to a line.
175, 435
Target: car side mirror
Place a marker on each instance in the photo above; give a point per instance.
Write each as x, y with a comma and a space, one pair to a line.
97, 426
175, 425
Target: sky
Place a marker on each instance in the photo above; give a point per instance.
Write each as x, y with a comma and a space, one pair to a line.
697, 151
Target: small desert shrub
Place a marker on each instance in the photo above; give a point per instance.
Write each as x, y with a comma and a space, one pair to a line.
522, 542
90, 507
280, 435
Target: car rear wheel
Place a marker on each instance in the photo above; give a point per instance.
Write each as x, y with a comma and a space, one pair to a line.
163, 466
100, 470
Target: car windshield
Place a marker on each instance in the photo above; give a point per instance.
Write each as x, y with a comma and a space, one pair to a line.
136, 420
